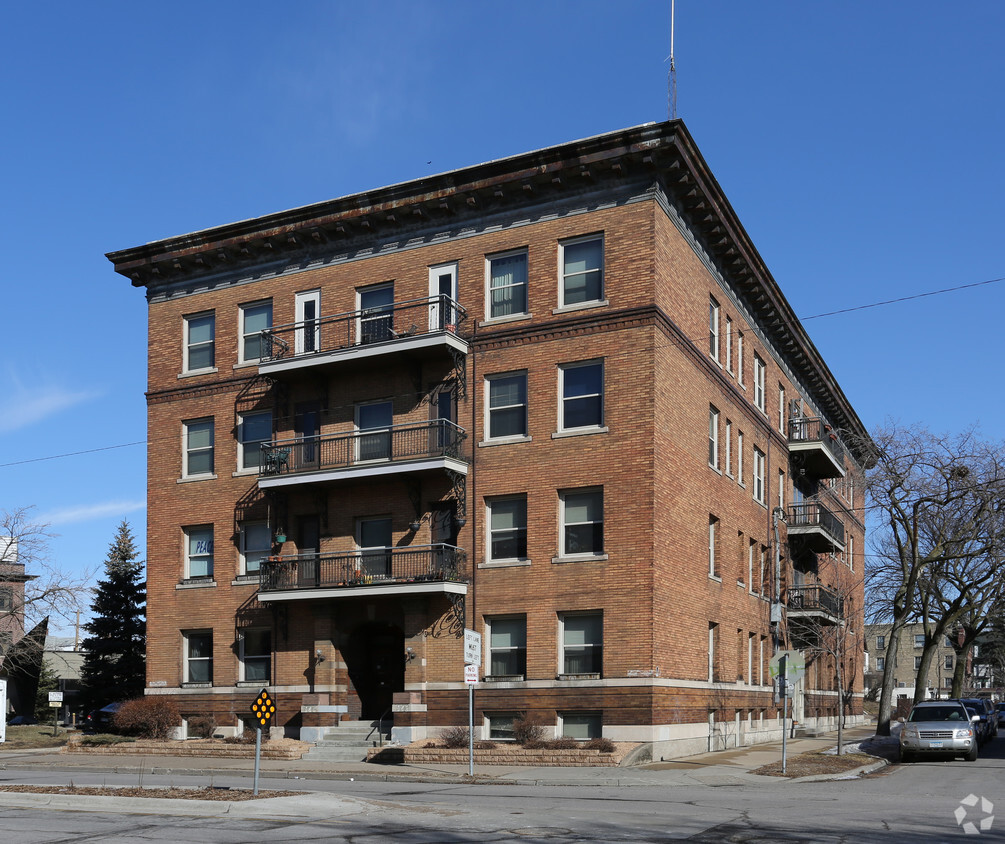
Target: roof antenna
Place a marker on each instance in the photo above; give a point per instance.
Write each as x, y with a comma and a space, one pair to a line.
672, 76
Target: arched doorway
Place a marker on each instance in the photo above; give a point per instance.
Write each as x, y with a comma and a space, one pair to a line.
375, 660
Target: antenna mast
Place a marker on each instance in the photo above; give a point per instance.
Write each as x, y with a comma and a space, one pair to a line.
672, 77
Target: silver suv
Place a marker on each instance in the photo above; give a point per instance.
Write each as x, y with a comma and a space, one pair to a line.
939, 726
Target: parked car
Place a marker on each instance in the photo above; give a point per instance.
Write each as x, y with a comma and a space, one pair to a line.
989, 716
100, 720
21, 721
939, 727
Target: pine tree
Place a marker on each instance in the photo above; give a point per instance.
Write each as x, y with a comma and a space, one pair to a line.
114, 666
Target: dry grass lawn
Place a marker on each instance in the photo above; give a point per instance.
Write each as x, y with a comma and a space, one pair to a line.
812, 764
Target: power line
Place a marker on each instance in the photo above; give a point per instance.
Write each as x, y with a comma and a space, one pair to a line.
71, 454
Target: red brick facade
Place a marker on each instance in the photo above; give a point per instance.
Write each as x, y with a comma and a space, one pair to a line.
604, 472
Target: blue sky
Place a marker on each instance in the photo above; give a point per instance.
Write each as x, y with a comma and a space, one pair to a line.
860, 147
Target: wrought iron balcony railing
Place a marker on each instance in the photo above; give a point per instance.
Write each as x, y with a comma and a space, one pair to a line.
366, 567
381, 324
437, 438
811, 433
814, 598
813, 517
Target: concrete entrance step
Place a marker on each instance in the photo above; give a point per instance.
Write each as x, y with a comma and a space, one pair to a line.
348, 742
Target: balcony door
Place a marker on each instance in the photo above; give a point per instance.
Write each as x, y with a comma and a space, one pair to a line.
373, 536
442, 295
308, 545
373, 426
308, 316
376, 314
307, 426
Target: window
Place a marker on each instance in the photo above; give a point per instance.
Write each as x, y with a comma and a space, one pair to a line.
739, 357
758, 476
851, 553
917, 663
373, 427
713, 437
255, 545
729, 344
751, 557
948, 663
376, 313
582, 389
729, 448
501, 725
198, 656
781, 489
948, 682
507, 646
200, 346
582, 643
582, 523
881, 643
713, 328
506, 405
6, 599
713, 641
507, 284
949, 642
739, 457
713, 559
255, 318
582, 271
508, 528
919, 640
253, 429
198, 448
375, 539
581, 725
199, 552
759, 375
880, 663
256, 655
781, 408
750, 658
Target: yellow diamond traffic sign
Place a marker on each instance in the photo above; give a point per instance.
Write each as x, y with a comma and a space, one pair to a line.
263, 708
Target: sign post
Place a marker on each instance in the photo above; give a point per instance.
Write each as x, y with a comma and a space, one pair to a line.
263, 709
472, 659
55, 703
3, 711
786, 667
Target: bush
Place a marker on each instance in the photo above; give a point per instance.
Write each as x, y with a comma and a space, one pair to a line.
604, 745
147, 717
247, 737
564, 743
202, 726
455, 737
485, 745
527, 729
103, 739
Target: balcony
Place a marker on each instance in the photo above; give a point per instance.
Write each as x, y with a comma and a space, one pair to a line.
813, 603
816, 448
815, 528
413, 447
413, 570
419, 327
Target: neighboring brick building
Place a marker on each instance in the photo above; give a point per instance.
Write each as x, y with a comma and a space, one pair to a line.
555, 398
12, 581
907, 662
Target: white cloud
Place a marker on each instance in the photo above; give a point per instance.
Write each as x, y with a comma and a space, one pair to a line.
89, 512
20, 408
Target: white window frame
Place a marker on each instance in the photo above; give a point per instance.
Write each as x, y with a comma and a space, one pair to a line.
713, 437
563, 398
244, 656
750, 658
563, 275
729, 345
713, 560
376, 324
781, 409
728, 462
490, 531
490, 649
563, 497
596, 648
713, 632
760, 375
512, 253
307, 339
588, 717
187, 428
739, 458
781, 488
438, 322
386, 451
760, 664
758, 475
881, 643
751, 547
244, 335
499, 376
739, 359
244, 551
714, 312
188, 659
880, 663
207, 558
189, 345
243, 445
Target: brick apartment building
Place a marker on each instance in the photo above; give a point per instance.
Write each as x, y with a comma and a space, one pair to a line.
556, 398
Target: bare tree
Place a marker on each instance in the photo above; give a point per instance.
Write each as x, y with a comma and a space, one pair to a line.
935, 499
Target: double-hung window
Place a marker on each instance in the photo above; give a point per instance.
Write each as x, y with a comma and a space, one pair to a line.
713, 437
253, 429
507, 646
198, 454
582, 262
781, 408
759, 376
582, 522
582, 389
713, 328
198, 656
255, 318
881, 643
729, 344
739, 357
255, 545
729, 448
507, 529
200, 342
758, 477
713, 537
256, 655
507, 284
582, 643
199, 553
506, 405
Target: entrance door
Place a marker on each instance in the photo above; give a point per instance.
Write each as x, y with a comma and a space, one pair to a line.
375, 660
308, 333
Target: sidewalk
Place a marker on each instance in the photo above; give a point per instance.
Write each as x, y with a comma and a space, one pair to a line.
729, 767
